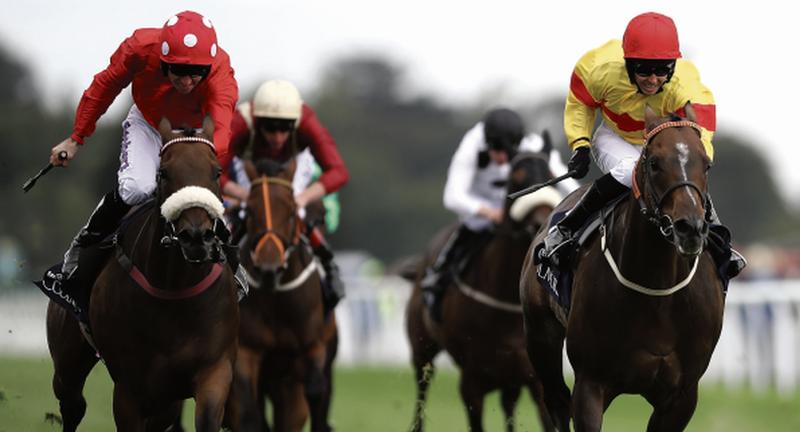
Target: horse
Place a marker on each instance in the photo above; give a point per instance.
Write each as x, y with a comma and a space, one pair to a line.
481, 316
647, 304
163, 310
286, 346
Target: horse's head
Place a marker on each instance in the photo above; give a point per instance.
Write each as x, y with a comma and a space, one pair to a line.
273, 229
671, 180
530, 211
188, 192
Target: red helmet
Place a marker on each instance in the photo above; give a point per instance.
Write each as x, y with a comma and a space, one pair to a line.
651, 36
188, 38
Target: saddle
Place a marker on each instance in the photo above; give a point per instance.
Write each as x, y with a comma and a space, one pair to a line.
74, 293
557, 275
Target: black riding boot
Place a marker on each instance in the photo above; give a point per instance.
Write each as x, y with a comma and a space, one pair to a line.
102, 223
332, 286
728, 260
602, 191
439, 275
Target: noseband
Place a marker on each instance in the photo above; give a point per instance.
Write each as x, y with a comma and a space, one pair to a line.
651, 203
285, 246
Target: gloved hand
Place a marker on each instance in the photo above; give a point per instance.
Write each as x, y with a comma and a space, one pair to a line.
579, 162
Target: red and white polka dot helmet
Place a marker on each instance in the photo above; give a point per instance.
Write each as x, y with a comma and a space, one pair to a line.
188, 38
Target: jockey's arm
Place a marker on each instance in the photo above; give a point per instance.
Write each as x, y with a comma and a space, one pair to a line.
233, 189
313, 193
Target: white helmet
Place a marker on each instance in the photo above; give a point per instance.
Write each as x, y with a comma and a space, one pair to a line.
278, 99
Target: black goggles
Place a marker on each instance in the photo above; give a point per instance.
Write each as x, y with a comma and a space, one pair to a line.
275, 125
661, 70
191, 70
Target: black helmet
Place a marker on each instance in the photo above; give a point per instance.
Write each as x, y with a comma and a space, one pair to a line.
503, 130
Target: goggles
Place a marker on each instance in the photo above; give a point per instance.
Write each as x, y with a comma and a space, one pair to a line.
661, 70
191, 70
276, 125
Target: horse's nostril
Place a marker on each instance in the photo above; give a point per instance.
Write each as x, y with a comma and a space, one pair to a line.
690, 227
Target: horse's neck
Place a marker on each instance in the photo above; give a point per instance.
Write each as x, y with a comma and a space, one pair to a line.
503, 251
640, 251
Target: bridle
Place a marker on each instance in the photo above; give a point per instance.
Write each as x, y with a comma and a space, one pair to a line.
651, 202
170, 237
286, 246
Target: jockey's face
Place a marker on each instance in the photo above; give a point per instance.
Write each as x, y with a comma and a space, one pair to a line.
275, 131
499, 157
649, 84
184, 84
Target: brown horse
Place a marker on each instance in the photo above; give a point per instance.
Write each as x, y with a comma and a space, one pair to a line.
283, 337
164, 310
647, 304
481, 316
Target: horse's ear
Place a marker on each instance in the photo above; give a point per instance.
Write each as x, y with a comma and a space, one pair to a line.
165, 128
208, 126
690, 114
650, 118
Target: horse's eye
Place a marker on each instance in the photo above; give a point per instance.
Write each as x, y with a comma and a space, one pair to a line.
218, 174
708, 167
162, 174
653, 164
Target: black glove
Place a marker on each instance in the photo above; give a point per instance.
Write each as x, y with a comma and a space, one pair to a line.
579, 162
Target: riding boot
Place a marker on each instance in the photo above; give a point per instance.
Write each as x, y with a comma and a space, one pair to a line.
333, 286
104, 220
602, 191
440, 274
720, 245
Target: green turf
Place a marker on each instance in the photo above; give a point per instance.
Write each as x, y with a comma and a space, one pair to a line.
381, 399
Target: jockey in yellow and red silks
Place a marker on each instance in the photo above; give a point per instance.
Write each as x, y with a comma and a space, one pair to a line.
619, 79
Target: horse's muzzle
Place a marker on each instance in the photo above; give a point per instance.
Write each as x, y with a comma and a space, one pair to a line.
199, 245
689, 236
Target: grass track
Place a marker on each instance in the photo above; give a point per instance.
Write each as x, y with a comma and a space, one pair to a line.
381, 399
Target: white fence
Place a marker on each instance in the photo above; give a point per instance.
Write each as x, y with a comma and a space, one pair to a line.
759, 346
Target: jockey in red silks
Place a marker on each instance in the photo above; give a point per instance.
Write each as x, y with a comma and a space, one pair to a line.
277, 125
178, 72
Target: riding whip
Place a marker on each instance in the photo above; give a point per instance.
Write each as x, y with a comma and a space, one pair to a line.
32, 181
534, 188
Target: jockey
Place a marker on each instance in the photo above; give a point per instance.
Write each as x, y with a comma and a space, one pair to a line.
276, 124
482, 158
178, 72
620, 78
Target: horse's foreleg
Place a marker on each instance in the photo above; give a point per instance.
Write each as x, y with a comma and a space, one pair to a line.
128, 416
508, 398
674, 413
211, 393
545, 342
316, 386
472, 394
289, 406
73, 359
588, 404
245, 408
423, 350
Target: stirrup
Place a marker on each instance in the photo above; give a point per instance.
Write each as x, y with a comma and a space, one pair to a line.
556, 238
242, 287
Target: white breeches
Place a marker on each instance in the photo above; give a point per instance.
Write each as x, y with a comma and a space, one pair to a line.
615, 155
139, 158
